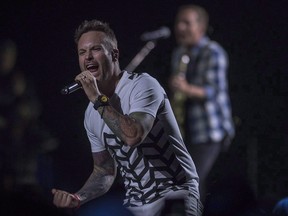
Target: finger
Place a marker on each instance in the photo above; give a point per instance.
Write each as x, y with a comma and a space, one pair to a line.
53, 191
57, 198
69, 200
60, 198
86, 73
81, 76
65, 200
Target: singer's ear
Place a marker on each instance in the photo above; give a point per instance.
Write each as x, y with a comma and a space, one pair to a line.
115, 54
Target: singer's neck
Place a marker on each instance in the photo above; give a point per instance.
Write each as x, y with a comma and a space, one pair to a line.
108, 87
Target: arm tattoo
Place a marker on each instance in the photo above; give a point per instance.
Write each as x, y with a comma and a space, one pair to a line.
123, 126
100, 180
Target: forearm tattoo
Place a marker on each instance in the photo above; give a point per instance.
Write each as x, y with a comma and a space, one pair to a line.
99, 181
123, 126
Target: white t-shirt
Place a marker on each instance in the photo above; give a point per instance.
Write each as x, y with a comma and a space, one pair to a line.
161, 162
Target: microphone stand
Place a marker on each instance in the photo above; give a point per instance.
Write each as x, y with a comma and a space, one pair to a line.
139, 57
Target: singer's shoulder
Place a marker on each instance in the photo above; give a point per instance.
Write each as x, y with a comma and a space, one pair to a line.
137, 75
142, 78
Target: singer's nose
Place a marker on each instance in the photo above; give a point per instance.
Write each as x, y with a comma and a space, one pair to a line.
88, 55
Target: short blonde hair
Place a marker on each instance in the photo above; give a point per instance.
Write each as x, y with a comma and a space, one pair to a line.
96, 25
203, 16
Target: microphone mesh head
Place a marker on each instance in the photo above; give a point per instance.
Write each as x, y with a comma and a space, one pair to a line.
64, 91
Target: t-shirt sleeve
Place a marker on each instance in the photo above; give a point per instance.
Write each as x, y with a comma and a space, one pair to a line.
146, 96
96, 144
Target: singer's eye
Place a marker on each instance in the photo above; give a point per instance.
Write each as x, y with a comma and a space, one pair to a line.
81, 53
97, 48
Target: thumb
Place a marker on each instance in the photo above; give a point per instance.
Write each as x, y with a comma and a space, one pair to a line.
53, 191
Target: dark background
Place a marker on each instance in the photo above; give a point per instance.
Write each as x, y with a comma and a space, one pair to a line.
253, 32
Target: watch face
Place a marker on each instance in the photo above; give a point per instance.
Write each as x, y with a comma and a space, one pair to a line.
104, 99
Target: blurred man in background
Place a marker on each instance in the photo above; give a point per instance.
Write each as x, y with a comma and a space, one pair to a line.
199, 90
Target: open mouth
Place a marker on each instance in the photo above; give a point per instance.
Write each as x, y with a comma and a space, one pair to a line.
92, 68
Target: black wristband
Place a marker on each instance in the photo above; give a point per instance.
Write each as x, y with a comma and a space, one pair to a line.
101, 114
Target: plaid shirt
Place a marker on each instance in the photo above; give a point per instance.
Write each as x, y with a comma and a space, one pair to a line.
208, 119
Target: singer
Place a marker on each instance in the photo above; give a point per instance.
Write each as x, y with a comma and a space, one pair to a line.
130, 124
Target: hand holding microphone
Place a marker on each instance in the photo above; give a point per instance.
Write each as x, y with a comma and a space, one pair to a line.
75, 85
86, 81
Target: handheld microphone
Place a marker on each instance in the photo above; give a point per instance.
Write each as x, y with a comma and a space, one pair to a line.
71, 88
163, 32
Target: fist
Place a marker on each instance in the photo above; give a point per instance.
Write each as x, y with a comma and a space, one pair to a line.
63, 199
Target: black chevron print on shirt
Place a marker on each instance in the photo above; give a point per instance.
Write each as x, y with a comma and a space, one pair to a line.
148, 169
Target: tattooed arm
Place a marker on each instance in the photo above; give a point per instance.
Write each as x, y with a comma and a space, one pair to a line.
130, 129
99, 182
101, 179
